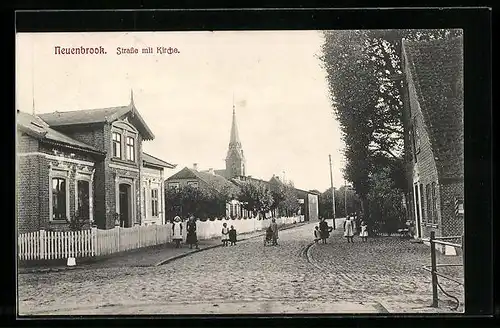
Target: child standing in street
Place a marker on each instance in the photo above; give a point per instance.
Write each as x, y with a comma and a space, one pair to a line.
225, 234
364, 231
317, 236
232, 236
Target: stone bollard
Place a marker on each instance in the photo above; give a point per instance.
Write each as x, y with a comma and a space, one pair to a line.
71, 262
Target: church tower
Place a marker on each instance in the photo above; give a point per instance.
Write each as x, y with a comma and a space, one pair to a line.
235, 160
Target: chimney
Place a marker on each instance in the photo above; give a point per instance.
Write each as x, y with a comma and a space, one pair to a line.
211, 171
195, 166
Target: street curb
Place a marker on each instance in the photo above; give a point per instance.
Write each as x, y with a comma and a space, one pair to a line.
173, 258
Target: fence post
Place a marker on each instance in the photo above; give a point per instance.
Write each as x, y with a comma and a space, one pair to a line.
118, 237
93, 242
42, 244
156, 234
463, 252
434, 268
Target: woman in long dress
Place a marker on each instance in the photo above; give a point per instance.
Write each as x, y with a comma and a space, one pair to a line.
274, 229
191, 237
177, 231
349, 230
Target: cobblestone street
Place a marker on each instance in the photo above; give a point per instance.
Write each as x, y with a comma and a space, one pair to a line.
383, 274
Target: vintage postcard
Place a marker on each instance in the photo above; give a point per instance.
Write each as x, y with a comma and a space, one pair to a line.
240, 172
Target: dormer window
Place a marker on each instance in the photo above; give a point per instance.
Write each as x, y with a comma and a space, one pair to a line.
117, 145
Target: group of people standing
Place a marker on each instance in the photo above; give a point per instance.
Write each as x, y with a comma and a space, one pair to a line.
191, 237
322, 232
228, 234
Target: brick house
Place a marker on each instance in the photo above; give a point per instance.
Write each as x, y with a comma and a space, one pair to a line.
434, 117
92, 157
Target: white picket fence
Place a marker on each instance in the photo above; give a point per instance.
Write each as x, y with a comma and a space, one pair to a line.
47, 245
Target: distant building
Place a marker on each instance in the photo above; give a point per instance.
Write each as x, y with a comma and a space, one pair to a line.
86, 163
235, 174
434, 112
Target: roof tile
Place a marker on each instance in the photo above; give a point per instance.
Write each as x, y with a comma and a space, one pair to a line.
437, 72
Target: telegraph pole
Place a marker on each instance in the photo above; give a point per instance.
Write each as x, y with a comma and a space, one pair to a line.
345, 196
333, 191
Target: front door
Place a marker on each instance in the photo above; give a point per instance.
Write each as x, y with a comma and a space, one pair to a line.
125, 206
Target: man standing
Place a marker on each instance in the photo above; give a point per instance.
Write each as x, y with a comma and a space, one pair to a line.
274, 229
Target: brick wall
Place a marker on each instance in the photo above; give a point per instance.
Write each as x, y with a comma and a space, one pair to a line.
453, 224
26, 143
33, 184
100, 195
27, 185
93, 135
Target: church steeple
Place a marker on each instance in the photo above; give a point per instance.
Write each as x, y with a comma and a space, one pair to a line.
235, 160
235, 138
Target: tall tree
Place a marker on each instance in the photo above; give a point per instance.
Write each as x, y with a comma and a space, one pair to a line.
366, 87
256, 197
290, 202
354, 93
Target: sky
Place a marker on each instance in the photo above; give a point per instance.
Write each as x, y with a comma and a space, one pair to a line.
284, 115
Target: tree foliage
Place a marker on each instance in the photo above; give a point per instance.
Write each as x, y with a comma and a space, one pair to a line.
289, 205
343, 196
256, 197
386, 206
201, 202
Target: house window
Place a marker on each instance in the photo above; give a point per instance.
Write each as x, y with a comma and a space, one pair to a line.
173, 185
193, 184
130, 150
429, 205
434, 203
422, 202
117, 145
59, 199
83, 199
154, 202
